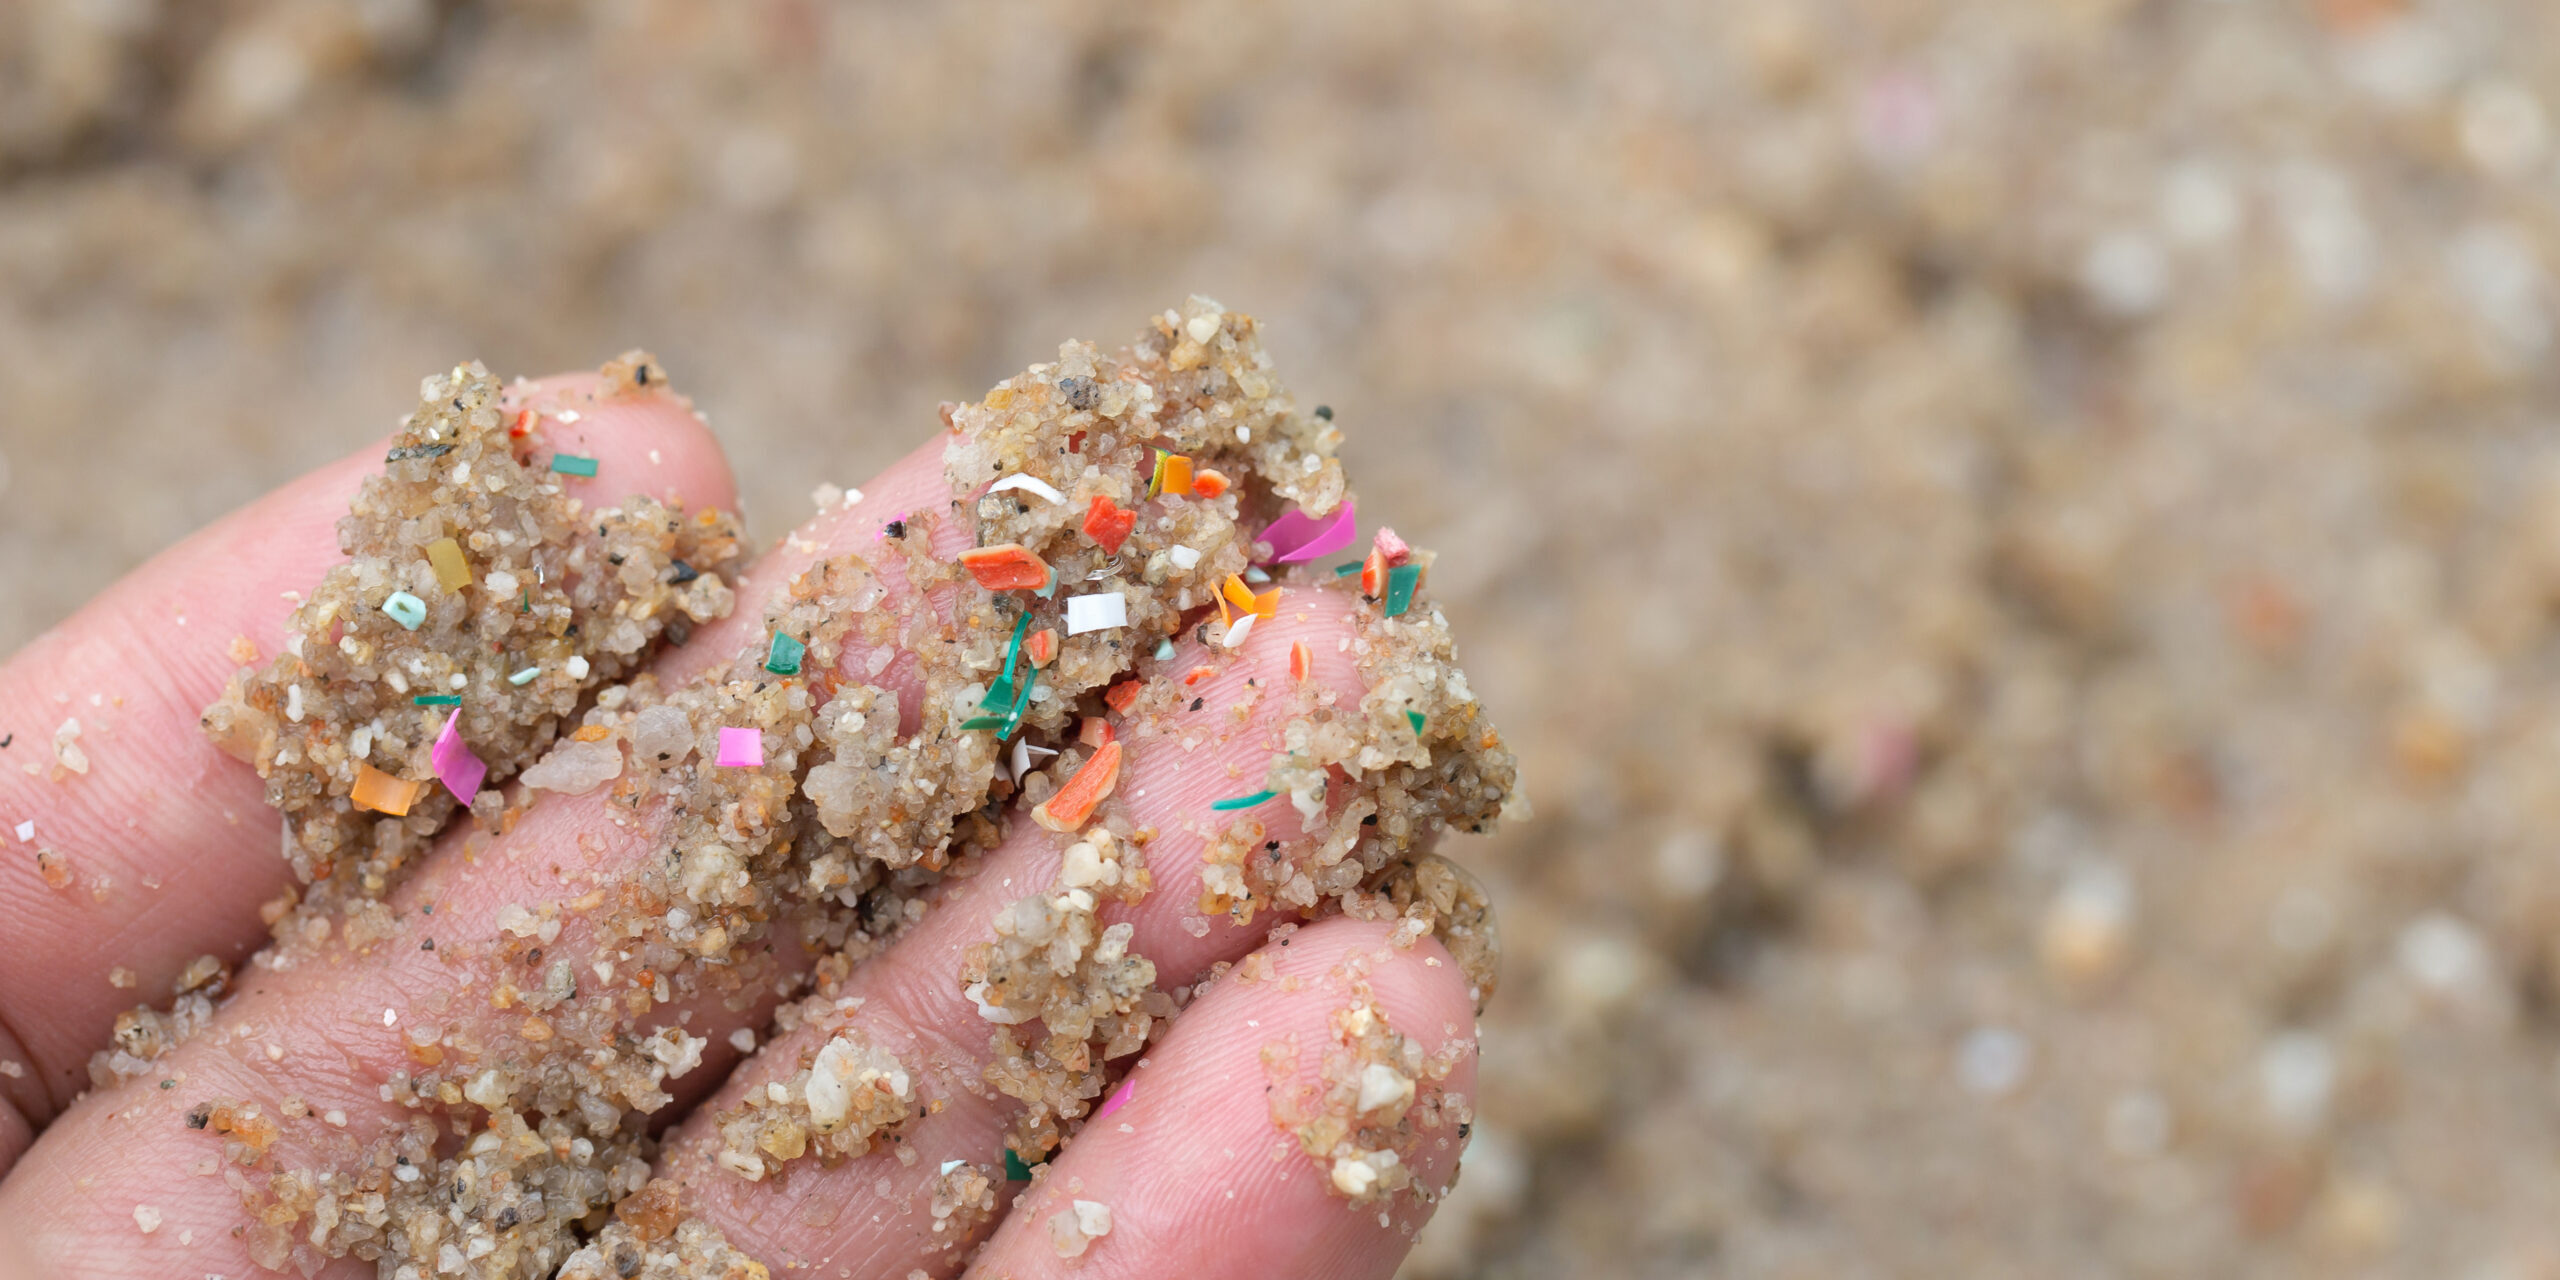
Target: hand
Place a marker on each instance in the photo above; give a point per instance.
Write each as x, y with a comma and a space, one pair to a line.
166, 851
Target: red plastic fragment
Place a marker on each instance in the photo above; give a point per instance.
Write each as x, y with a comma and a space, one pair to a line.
1007, 566
1108, 523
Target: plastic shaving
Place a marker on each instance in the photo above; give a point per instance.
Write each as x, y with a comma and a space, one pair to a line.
741, 748
456, 765
1098, 612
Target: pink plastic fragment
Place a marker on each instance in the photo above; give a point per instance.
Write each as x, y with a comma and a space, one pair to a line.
742, 748
461, 770
1119, 1098
1297, 536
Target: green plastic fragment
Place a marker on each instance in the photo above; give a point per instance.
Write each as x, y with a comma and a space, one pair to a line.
436, 700
783, 659
1246, 802
407, 610
1346, 569
1155, 483
570, 464
1000, 694
1014, 1169
525, 677
1400, 584
1416, 720
1164, 649
1012, 719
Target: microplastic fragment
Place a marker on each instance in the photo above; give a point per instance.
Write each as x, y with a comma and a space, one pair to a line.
525, 677
1184, 558
949, 1165
436, 700
1297, 536
461, 771
1014, 1169
1242, 627
783, 659
407, 610
1119, 1098
1164, 649
1246, 802
382, 793
1415, 718
1098, 612
570, 464
444, 555
742, 748
1029, 484
1400, 584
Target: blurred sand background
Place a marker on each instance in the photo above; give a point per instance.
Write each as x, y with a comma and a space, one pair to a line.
2018, 540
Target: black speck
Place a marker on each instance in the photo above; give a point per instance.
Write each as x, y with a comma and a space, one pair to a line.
641, 375
507, 1218
1464, 1130
1270, 844
1196, 703
1370, 821
428, 945
679, 571
897, 528
1325, 411
200, 1116
430, 908
168, 1084
614, 557
5, 741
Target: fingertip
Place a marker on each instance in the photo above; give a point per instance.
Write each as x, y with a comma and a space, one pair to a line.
651, 442
1200, 1176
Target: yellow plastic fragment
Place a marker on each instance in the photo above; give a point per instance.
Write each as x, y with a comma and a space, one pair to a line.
445, 556
383, 793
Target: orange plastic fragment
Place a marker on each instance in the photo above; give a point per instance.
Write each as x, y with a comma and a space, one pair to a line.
1235, 592
591, 733
1095, 732
1108, 523
1267, 604
523, 424
1119, 696
1373, 575
1177, 475
1198, 674
383, 793
1209, 483
1042, 646
1074, 803
1302, 661
1007, 566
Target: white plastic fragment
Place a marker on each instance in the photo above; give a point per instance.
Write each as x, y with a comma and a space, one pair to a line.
1099, 612
1027, 483
1183, 557
1242, 627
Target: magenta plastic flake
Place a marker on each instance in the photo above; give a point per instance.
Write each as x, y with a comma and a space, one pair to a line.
461, 770
742, 748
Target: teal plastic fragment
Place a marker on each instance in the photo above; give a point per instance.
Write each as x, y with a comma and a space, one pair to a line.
1346, 569
1164, 649
1415, 719
525, 677
407, 610
1400, 584
570, 464
783, 659
1246, 802
436, 700
1014, 1169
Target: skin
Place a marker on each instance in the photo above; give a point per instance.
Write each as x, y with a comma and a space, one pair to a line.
173, 852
